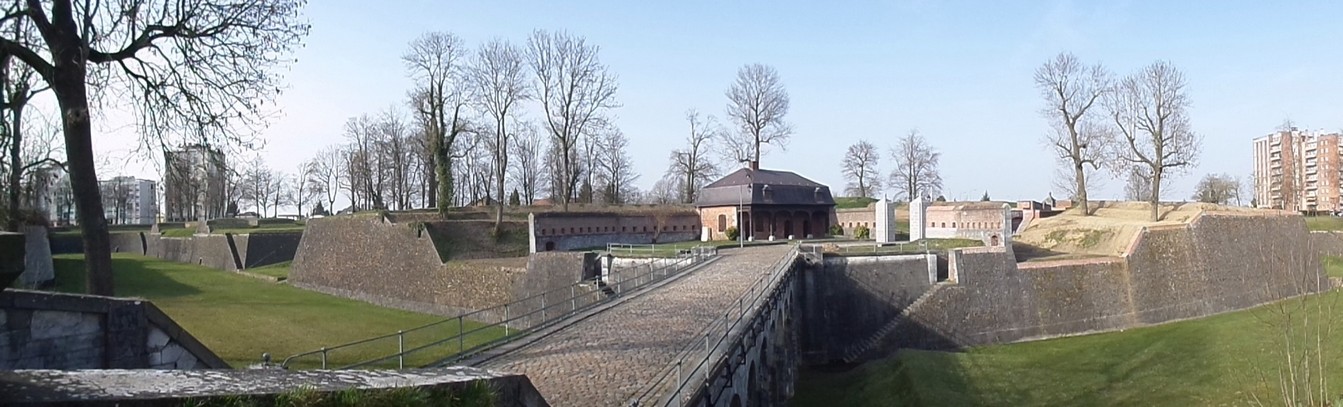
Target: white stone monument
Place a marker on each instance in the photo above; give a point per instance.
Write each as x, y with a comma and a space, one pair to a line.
885, 221
918, 218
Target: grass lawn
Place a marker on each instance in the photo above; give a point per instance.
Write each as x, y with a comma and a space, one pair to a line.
1226, 359
1333, 265
1328, 223
278, 270
240, 317
849, 202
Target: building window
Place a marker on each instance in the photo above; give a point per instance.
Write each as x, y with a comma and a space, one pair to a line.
953, 224
768, 194
944, 224
722, 223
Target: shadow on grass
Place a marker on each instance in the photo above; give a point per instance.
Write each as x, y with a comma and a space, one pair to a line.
131, 277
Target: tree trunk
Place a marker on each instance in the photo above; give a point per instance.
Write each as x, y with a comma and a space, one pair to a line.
1155, 199
15, 167
566, 171
72, 97
1079, 175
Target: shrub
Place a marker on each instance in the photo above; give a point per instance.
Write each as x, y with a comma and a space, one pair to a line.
732, 233
861, 232
836, 230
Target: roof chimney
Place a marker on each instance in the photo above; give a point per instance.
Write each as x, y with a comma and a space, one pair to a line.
755, 165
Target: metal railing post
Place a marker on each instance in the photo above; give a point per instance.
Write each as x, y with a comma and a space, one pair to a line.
400, 349
324, 357
573, 300
461, 336
505, 321
543, 308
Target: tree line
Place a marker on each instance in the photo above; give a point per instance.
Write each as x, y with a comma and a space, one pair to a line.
1136, 126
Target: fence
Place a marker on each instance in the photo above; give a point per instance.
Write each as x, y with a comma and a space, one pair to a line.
920, 246
455, 338
696, 362
650, 250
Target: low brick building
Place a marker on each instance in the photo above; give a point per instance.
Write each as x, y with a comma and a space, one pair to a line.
764, 204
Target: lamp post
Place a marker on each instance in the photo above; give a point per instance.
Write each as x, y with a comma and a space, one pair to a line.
741, 204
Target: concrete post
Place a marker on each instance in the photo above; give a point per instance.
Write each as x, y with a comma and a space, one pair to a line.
1007, 223
885, 221
531, 232
918, 218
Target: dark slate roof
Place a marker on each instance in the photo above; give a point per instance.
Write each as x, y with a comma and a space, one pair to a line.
785, 188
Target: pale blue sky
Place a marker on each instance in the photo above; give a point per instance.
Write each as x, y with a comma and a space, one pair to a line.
961, 72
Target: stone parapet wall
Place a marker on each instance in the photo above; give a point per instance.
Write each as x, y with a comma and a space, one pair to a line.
559, 231
246, 387
1218, 263
41, 330
228, 252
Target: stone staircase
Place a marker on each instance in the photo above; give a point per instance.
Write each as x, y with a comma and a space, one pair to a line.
856, 351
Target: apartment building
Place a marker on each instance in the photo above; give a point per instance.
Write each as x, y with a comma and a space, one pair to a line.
130, 201
1298, 170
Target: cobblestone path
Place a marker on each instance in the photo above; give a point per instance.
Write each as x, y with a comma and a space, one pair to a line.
607, 358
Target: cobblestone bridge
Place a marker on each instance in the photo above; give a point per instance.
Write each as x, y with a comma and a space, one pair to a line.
609, 357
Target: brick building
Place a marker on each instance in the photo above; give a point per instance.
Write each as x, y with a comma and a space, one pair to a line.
765, 204
1298, 170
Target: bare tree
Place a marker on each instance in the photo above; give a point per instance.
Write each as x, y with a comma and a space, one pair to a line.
1150, 110
498, 84
574, 88
691, 165
915, 169
615, 168
201, 68
1070, 89
527, 161
304, 191
435, 59
1138, 184
324, 173
860, 169
665, 191
1217, 188
757, 103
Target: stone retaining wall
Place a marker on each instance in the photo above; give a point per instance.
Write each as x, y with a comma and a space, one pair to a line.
1219, 263
224, 387
848, 298
42, 330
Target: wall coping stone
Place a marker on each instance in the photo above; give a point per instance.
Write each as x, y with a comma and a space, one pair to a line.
107, 385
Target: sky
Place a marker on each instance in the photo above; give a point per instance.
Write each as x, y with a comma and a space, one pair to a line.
961, 72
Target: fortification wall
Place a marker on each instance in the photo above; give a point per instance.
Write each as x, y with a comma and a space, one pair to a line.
1327, 243
41, 330
211, 251
1219, 263
846, 299
397, 265
580, 230
261, 249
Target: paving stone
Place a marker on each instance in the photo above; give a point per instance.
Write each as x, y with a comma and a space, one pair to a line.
605, 360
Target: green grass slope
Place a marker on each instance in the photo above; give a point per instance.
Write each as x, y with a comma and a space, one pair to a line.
1228, 359
240, 317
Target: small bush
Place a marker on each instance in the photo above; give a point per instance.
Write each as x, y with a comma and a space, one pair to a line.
732, 233
861, 232
836, 230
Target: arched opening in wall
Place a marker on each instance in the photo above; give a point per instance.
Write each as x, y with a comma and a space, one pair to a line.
736, 400
806, 228
787, 227
550, 246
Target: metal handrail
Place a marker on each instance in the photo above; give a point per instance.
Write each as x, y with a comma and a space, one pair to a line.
715, 337
591, 294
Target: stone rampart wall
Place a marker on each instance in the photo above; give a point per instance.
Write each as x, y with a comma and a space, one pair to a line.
229, 252
41, 330
1219, 263
574, 230
397, 265
846, 299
